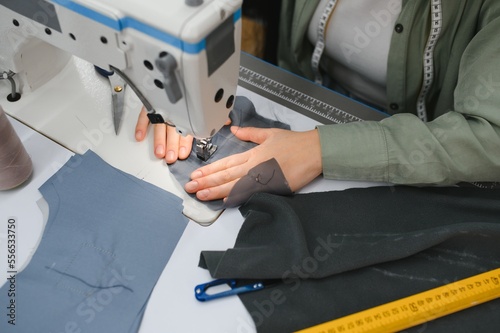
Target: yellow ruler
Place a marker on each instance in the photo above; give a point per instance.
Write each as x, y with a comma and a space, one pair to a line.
419, 308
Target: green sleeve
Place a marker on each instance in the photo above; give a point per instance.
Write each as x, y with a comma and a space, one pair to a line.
461, 145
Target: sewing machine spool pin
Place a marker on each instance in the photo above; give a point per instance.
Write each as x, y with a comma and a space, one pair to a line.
14, 96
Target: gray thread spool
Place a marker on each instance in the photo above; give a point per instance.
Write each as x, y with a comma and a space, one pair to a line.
15, 163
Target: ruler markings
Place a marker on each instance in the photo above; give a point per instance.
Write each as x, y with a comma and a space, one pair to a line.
419, 308
293, 96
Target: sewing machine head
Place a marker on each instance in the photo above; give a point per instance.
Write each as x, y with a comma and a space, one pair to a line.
181, 57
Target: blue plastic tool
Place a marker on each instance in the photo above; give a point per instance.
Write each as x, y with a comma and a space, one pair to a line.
201, 294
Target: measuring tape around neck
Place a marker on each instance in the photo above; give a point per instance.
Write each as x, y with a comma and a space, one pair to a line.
428, 78
418, 309
428, 58
320, 43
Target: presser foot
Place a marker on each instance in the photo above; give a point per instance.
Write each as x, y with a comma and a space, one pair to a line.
205, 148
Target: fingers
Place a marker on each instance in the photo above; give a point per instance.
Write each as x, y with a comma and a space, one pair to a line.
142, 125
214, 193
209, 193
168, 143
215, 181
177, 146
160, 140
185, 146
235, 161
253, 134
172, 145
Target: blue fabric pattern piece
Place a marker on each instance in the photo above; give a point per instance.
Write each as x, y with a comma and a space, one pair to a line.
108, 238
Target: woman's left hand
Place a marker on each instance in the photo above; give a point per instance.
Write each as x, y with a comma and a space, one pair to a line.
298, 154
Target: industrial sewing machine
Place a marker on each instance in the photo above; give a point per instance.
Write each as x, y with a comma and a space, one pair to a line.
180, 57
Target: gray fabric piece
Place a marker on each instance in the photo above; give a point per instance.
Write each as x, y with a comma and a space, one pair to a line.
107, 240
265, 177
243, 115
337, 253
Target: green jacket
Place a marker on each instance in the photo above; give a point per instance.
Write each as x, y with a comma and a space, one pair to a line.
461, 142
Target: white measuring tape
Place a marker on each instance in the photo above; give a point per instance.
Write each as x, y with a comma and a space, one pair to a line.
320, 43
437, 23
428, 64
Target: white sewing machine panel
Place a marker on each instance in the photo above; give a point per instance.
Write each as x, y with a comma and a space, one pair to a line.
181, 57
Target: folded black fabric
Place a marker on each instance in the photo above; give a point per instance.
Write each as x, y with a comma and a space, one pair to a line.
340, 252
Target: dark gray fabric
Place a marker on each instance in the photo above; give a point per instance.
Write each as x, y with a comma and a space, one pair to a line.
265, 177
107, 240
243, 115
337, 253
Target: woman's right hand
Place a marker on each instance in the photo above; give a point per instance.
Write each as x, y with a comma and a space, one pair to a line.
168, 144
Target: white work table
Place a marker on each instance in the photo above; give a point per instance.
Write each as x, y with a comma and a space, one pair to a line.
74, 111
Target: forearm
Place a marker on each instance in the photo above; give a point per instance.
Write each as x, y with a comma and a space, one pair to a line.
404, 150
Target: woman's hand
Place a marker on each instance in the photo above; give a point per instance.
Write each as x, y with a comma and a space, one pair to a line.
168, 144
298, 154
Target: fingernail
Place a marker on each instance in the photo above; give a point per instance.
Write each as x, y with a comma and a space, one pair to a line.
159, 150
182, 151
191, 186
203, 194
170, 155
196, 174
138, 135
